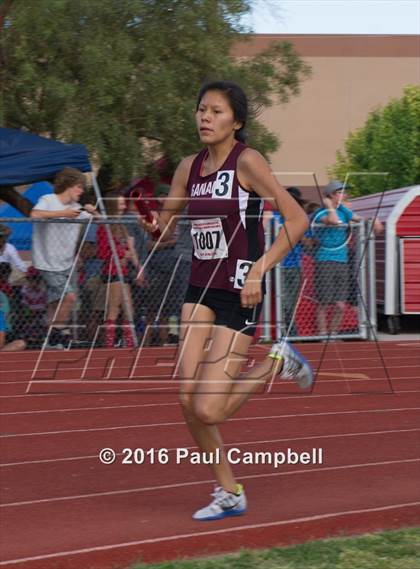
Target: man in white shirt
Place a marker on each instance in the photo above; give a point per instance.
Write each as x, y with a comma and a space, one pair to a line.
54, 247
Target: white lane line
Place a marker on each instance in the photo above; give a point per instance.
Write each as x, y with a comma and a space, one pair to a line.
169, 360
226, 444
199, 482
326, 360
302, 395
297, 397
330, 515
325, 363
61, 411
174, 383
388, 388
173, 423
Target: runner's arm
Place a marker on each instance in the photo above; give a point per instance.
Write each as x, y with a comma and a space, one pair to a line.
174, 203
255, 175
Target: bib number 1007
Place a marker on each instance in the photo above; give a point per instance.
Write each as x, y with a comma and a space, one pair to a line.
209, 239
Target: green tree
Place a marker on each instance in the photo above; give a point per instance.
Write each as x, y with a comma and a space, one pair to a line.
389, 142
122, 76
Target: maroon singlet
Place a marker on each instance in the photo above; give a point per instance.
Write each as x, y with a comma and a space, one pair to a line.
227, 230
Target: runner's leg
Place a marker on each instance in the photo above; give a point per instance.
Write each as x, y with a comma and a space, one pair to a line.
195, 336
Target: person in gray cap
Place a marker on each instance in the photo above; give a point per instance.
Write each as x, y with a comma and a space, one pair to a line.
332, 256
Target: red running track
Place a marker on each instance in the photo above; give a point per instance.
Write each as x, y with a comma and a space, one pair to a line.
61, 508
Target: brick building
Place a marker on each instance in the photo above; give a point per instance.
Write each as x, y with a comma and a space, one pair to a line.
351, 76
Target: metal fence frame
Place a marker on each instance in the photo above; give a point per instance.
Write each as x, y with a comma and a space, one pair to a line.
366, 293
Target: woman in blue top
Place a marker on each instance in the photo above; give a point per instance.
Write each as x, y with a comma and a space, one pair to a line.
332, 255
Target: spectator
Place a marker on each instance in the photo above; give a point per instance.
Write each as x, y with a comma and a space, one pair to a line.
8, 252
332, 256
124, 245
291, 271
138, 292
5, 271
34, 302
310, 208
160, 266
7, 341
93, 290
5, 286
54, 247
183, 251
137, 232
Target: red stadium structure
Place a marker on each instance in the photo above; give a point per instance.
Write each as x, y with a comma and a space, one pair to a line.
397, 250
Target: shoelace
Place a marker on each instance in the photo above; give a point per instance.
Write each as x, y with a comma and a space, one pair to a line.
293, 365
219, 495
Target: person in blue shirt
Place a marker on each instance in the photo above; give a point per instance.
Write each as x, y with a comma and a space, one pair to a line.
332, 255
291, 272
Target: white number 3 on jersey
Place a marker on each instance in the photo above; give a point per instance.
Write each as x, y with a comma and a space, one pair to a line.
222, 186
242, 269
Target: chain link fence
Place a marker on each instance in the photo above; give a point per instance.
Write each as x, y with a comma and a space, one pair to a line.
323, 289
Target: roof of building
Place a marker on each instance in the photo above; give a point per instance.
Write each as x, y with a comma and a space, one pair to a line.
324, 45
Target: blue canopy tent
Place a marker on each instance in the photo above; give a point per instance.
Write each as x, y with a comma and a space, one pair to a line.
27, 158
21, 236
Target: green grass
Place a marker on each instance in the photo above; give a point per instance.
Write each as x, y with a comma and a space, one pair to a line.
387, 550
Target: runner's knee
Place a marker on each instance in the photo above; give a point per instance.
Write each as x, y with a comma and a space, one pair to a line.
208, 413
186, 401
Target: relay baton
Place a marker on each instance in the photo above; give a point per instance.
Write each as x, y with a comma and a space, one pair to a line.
144, 207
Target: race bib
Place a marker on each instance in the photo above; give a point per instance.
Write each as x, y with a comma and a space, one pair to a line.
222, 186
242, 269
209, 239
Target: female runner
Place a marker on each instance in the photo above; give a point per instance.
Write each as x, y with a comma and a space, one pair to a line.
224, 186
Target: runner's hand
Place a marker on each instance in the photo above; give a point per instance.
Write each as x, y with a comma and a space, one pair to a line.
251, 294
146, 225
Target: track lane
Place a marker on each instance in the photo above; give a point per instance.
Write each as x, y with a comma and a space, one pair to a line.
129, 518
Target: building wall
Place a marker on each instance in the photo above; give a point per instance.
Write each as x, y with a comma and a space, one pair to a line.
351, 76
